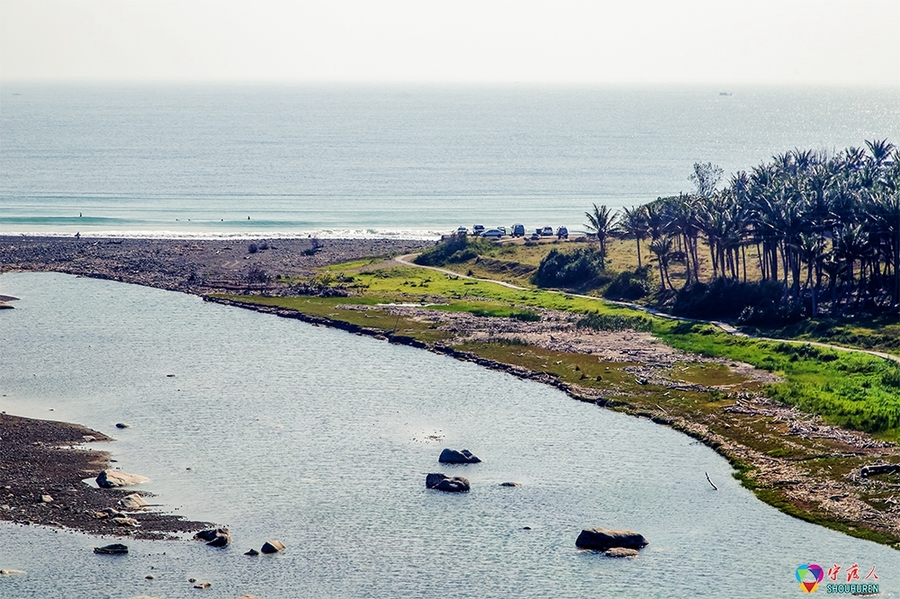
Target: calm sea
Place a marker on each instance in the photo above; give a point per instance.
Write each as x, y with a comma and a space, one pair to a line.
386, 161
322, 439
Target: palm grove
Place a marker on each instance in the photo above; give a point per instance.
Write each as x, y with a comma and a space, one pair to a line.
825, 230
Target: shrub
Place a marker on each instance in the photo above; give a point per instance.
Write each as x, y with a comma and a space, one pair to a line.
609, 322
630, 285
749, 303
458, 248
582, 268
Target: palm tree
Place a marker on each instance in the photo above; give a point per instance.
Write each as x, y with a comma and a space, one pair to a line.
662, 247
633, 223
601, 222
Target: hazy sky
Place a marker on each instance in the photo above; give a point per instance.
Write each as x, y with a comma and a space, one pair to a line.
717, 42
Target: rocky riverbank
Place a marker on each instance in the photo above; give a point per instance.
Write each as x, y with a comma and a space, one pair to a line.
42, 468
192, 265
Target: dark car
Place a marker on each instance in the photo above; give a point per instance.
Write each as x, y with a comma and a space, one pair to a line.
518, 230
562, 233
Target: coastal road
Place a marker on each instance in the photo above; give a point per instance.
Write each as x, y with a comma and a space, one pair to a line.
407, 260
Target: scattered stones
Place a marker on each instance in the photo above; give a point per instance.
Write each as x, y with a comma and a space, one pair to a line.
109, 479
442, 482
216, 537
452, 456
122, 425
133, 502
620, 552
602, 539
114, 549
272, 547
252, 552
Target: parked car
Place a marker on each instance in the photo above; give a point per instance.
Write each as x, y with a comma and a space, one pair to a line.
518, 230
462, 231
492, 234
562, 233
502, 230
546, 232
478, 229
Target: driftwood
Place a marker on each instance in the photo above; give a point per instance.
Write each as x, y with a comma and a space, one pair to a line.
710, 482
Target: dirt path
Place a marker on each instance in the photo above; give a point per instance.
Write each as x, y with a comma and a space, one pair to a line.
407, 260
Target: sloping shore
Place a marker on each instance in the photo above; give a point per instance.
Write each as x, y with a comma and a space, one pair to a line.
42, 467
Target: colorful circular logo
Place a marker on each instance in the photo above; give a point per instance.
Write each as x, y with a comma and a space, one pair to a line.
809, 576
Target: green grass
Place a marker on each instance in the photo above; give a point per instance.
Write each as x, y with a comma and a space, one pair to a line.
849, 389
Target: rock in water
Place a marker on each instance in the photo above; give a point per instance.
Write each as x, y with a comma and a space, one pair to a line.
123, 425
272, 547
602, 539
133, 502
252, 552
109, 479
114, 549
442, 482
452, 456
215, 537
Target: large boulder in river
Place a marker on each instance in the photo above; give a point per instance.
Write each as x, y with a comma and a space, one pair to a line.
602, 539
452, 456
109, 479
442, 482
272, 547
114, 549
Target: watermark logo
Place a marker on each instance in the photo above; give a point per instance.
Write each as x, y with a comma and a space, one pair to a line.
809, 576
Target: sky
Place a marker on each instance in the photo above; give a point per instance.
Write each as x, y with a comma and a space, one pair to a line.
709, 42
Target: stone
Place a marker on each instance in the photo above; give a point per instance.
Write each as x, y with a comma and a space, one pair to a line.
510, 484
252, 552
46, 498
452, 456
247, 597
214, 537
122, 521
133, 502
11, 572
114, 549
202, 585
272, 547
620, 552
109, 479
122, 425
442, 482
602, 539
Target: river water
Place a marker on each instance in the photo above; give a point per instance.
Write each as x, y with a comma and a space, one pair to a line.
322, 439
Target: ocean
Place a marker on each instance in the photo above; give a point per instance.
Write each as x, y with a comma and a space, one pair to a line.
415, 162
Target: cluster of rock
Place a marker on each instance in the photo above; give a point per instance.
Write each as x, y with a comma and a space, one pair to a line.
613, 543
221, 537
